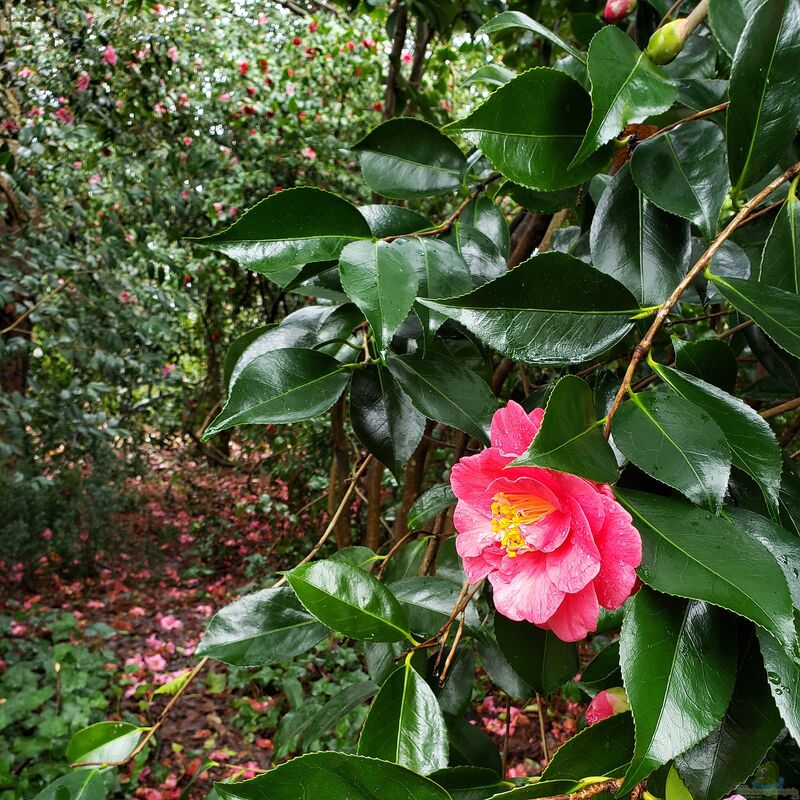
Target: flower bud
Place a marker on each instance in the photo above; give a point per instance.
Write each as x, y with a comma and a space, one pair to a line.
617, 10
606, 704
666, 42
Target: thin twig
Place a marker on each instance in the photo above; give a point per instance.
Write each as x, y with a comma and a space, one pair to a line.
19, 320
554, 224
706, 112
542, 729
735, 329
789, 405
456, 639
643, 348
333, 520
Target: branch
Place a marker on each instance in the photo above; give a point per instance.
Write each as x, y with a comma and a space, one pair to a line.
789, 405
706, 112
17, 322
643, 348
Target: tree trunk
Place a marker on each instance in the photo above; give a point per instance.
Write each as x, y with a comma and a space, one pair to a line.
340, 468
412, 482
372, 534
400, 30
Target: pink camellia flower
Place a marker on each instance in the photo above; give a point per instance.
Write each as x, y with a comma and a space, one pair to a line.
172, 54
554, 546
167, 369
26, 72
617, 10
110, 55
169, 622
606, 704
187, 140
308, 153
82, 84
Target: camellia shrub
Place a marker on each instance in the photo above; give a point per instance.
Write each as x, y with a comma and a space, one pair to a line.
610, 317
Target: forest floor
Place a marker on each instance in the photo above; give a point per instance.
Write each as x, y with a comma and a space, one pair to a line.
193, 541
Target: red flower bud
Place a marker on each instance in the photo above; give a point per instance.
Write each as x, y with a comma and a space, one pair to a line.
296, 41
617, 10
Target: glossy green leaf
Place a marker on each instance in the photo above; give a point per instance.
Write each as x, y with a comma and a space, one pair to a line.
103, 742
677, 443
691, 553
455, 695
349, 600
777, 312
712, 360
538, 656
261, 628
570, 439
603, 671
637, 243
469, 783
357, 555
531, 129
290, 228
539, 789
729, 755
675, 787
753, 446
429, 504
407, 158
441, 272
82, 784
491, 74
784, 546
470, 746
481, 254
604, 748
237, 348
684, 171
727, 19
445, 391
383, 417
405, 724
429, 601
783, 679
485, 216
342, 703
516, 20
498, 667
344, 777
764, 110
546, 202
387, 220
379, 278
554, 309
780, 261
282, 386
626, 88
678, 662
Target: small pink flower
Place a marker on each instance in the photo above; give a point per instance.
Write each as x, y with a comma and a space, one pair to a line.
554, 546
82, 84
47, 534
140, 54
172, 54
167, 369
617, 10
218, 208
16, 629
95, 180
407, 58
158, 9
187, 140
156, 662
183, 100
225, 96
170, 623
233, 211
308, 153
124, 297
110, 55
606, 704
160, 109
36, 111
130, 237
262, 19
26, 72
65, 115
185, 194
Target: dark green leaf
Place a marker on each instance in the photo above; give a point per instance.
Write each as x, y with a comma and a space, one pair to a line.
103, 742
483, 215
445, 391
482, 255
684, 171
261, 628
553, 309
728, 756
711, 360
469, 783
777, 312
383, 418
238, 346
546, 202
603, 671
626, 87
82, 784
727, 19
379, 278
455, 696
291, 228
429, 504
344, 777
531, 129
470, 746
342, 703
406, 561
692, 553
538, 656
407, 158
358, 556
765, 105
783, 678
349, 600
780, 261
678, 662
635, 242
498, 667
753, 446
491, 74
385, 220
282, 386
677, 443
569, 439
604, 748
428, 601
540, 789
405, 724
516, 20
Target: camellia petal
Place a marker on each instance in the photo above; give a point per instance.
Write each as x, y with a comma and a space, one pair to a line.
512, 430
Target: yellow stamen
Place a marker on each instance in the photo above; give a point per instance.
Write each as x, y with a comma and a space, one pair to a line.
509, 512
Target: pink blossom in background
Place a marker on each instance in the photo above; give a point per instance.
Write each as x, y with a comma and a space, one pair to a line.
172, 54
47, 534
130, 237
124, 297
156, 662
407, 58
170, 623
82, 84
26, 72
160, 109
218, 208
262, 19
555, 547
606, 704
36, 111
308, 153
167, 369
158, 9
187, 140
183, 100
185, 194
225, 96
110, 55
17, 629
95, 180
65, 115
